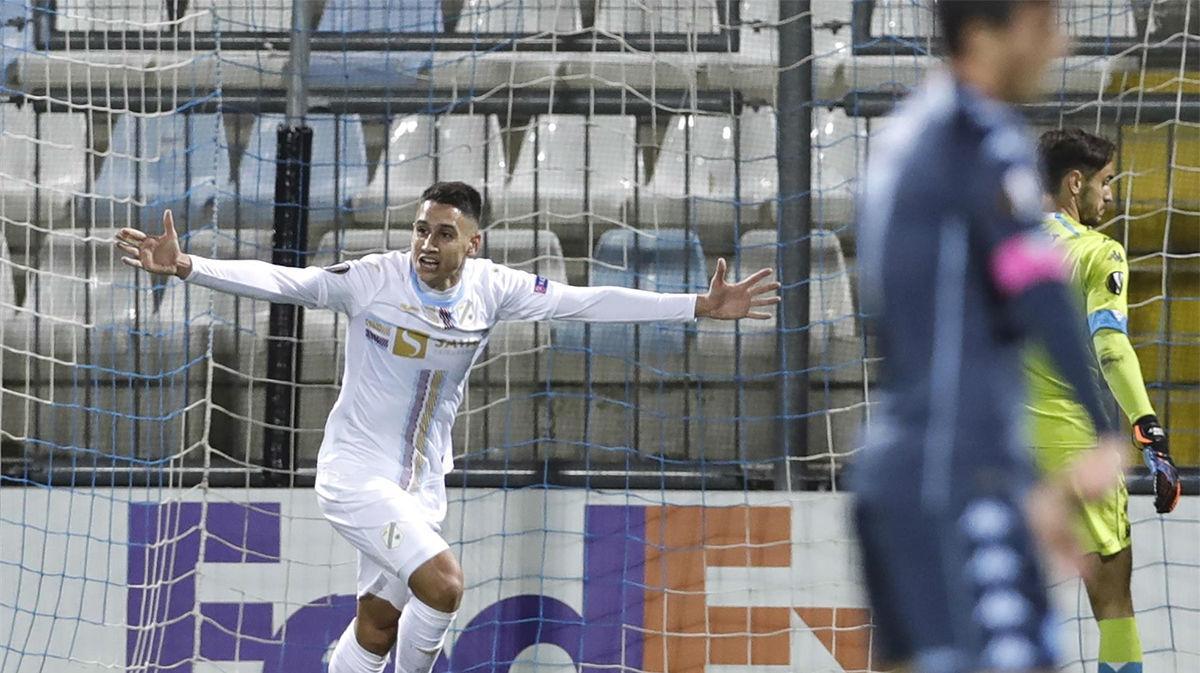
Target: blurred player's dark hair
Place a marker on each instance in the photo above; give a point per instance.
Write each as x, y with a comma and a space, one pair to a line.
458, 194
954, 15
1064, 150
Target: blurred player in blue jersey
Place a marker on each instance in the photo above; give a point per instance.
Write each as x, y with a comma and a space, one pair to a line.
957, 274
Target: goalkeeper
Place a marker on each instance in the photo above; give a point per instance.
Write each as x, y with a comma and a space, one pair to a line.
1078, 169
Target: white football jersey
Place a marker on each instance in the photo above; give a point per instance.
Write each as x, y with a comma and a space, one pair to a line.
409, 350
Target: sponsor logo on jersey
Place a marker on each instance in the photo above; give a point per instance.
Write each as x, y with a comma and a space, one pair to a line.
378, 333
1116, 257
456, 343
540, 284
447, 318
1115, 282
410, 343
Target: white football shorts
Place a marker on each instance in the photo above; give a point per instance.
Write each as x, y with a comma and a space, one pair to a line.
391, 532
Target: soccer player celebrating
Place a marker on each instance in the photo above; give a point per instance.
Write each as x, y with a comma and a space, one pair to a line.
1078, 168
956, 274
418, 321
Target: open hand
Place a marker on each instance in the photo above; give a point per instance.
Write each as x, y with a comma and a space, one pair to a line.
156, 254
724, 301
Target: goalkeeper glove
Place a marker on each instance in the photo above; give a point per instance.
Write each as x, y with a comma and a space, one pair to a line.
1152, 439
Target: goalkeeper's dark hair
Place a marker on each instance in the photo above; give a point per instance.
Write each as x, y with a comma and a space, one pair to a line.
954, 15
1064, 150
458, 194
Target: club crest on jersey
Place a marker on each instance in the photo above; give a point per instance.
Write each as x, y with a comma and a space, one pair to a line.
540, 284
392, 535
1115, 282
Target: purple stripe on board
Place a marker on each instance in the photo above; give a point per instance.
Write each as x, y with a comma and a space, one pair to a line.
237, 632
614, 574
242, 533
164, 548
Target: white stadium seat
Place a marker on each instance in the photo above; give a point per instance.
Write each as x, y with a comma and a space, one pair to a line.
229, 16
831, 314
109, 15
657, 16
552, 176
60, 151
519, 16
420, 149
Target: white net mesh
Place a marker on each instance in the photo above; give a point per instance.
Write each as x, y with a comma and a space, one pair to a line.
624, 142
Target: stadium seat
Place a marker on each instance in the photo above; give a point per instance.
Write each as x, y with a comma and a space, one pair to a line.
519, 16
552, 169
758, 169
177, 163
657, 16
60, 153
8, 295
240, 16
503, 19
338, 171
372, 16
111, 344
383, 69
14, 319
1100, 19
664, 260
839, 155
14, 41
339, 246
420, 147
107, 15
704, 196
832, 319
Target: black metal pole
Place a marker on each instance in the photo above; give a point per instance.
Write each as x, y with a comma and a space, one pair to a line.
293, 159
793, 110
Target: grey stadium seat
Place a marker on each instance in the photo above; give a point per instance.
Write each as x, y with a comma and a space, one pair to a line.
658, 16
519, 16
832, 318
338, 171
422, 147
561, 155
177, 164
116, 367
704, 196
60, 151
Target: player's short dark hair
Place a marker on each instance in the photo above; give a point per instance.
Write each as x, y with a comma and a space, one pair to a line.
458, 194
1064, 150
954, 15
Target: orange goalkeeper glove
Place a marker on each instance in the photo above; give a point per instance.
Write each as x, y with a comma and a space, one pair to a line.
1152, 439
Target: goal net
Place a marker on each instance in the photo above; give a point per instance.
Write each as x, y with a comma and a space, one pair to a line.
653, 497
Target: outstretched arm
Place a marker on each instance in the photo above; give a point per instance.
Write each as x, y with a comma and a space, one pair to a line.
723, 301
346, 288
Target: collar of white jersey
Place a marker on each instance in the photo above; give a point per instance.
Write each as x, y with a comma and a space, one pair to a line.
430, 296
